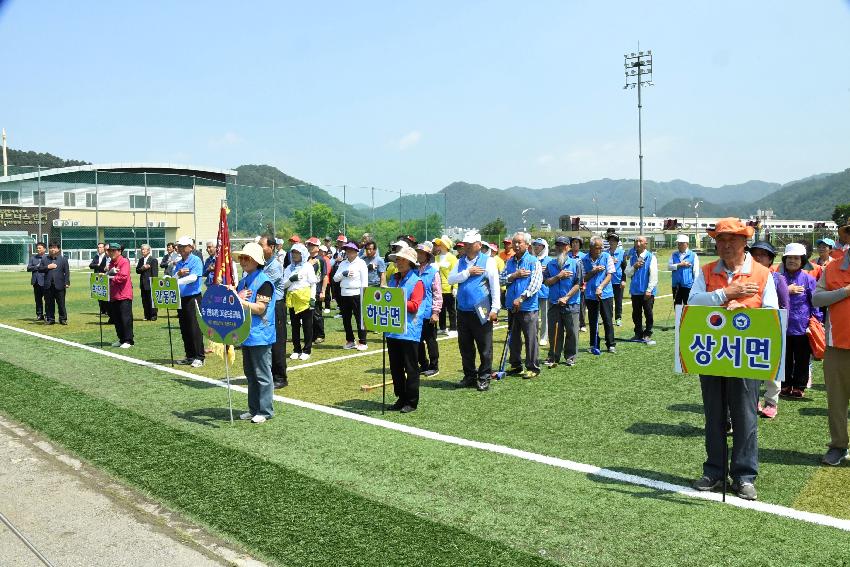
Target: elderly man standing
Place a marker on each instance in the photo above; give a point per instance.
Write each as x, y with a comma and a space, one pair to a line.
120, 296
735, 281
617, 281
541, 252
598, 269
575, 253
523, 276
684, 263
564, 276
478, 305
37, 279
833, 293
642, 267
189, 271
273, 270
147, 267
57, 280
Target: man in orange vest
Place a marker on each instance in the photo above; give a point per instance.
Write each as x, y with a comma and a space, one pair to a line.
735, 281
833, 292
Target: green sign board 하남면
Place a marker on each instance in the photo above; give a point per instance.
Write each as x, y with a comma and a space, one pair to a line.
744, 343
384, 309
165, 293
99, 287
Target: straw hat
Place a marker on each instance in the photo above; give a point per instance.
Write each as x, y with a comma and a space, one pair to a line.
408, 254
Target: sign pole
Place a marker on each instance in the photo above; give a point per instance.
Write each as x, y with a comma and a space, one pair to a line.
170, 344
227, 377
724, 403
100, 318
384, 373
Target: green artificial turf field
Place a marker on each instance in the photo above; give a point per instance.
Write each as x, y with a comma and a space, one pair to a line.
308, 488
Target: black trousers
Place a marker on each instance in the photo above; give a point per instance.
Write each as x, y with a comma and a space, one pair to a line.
318, 320
449, 310
190, 331
582, 320
404, 367
472, 335
605, 307
350, 305
798, 354
303, 319
104, 307
150, 311
429, 351
121, 313
642, 309
38, 293
279, 346
54, 299
618, 301
680, 295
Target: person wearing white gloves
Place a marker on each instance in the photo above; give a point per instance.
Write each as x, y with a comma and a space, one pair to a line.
352, 275
299, 281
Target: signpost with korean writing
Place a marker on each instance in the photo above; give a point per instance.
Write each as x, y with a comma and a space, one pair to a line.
384, 311
166, 295
224, 320
723, 344
99, 290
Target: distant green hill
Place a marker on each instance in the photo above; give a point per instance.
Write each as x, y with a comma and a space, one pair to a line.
27, 160
812, 199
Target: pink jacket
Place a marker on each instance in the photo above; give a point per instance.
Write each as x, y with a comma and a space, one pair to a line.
120, 285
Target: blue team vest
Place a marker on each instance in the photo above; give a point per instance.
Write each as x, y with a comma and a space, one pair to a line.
515, 288
560, 288
472, 291
413, 331
262, 326
544, 289
617, 255
683, 277
588, 264
427, 277
640, 278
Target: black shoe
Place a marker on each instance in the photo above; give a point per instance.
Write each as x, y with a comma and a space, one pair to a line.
516, 371
63, 322
281, 383
396, 406
109, 322
184, 362
466, 383
408, 409
706, 483
40, 318
430, 373
483, 384
50, 322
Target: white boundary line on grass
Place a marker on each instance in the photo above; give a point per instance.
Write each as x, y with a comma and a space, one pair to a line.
774, 509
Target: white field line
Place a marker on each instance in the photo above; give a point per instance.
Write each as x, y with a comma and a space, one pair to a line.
774, 509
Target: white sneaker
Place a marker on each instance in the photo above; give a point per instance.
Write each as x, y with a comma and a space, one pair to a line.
126, 345
258, 419
583, 330
197, 363
361, 347
544, 342
649, 342
326, 310
349, 346
294, 355
247, 415
304, 356
452, 333
619, 322
116, 344
337, 316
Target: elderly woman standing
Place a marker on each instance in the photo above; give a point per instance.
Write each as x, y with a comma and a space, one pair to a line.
801, 289
353, 277
256, 292
299, 281
403, 348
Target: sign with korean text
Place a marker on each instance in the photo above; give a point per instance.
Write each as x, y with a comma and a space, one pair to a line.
99, 287
384, 309
222, 318
744, 343
165, 293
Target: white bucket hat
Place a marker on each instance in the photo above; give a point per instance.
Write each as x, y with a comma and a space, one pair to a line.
255, 252
795, 249
408, 254
683, 238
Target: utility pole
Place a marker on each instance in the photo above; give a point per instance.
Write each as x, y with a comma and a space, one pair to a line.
274, 209
426, 216
344, 205
696, 224
638, 69
373, 209
399, 212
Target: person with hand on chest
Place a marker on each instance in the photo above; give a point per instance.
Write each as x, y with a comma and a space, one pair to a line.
642, 267
37, 279
147, 267
120, 295
684, 264
523, 277
57, 280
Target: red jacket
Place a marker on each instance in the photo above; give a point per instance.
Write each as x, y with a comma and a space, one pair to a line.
120, 285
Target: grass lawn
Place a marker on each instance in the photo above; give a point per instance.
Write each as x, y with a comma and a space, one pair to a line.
311, 489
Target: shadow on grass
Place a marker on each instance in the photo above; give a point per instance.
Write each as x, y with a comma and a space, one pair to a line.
365, 406
208, 417
813, 412
686, 408
789, 457
194, 384
637, 491
665, 429
438, 384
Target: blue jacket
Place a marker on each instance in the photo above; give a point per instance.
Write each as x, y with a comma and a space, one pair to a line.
196, 267
37, 277
413, 330
474, 289
427, 278
262, 326
57, 278
590, 290
563, 287
515, 288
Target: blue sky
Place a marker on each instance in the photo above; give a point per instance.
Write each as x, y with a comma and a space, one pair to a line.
415, 95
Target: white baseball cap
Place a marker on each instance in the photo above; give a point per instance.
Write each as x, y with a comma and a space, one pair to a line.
471, 237
683, 238
185, 241
795, 249
400, 243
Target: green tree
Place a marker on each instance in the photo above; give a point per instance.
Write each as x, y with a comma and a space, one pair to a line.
325, 221
494, 227
841, 214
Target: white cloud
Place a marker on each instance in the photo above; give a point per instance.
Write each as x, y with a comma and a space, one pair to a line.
227, 139
409, 140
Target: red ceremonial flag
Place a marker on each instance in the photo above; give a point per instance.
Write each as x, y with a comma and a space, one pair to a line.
223, 264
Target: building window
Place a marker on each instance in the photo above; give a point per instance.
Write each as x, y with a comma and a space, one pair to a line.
91, 200
38, 198
70, 199
140, 202
9, 198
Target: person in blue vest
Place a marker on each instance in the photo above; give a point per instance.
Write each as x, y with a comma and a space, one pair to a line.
576, 242
599, 293
642, 268
403, 348
684, 264
429, 350
523, 277
478, 305
541, 251
618, 283
564, 276
257, 293
189, 271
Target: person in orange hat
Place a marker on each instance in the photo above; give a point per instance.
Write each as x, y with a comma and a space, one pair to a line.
735, 281
833, 293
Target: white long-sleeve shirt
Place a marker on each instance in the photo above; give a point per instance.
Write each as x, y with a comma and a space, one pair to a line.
357, 278
673, 266
306, 277
653, 270
699, 295
491, 271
